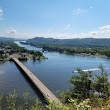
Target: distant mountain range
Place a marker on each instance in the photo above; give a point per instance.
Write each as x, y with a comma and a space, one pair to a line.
6, 39
77, 42
10, 39
85, 42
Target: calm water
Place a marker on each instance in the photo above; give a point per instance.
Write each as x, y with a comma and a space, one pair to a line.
54, 72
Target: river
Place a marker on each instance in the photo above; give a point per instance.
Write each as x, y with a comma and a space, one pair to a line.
54, 72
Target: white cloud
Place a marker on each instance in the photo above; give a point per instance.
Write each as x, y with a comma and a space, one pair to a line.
107, 27
1, 14
67, 26
101, 32
49, 35
79, 11
12, 31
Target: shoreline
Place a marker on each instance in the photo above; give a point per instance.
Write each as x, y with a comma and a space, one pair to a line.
28, 57
81, 54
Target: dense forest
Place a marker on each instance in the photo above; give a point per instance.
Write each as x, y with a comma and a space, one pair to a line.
88, 46
84, 42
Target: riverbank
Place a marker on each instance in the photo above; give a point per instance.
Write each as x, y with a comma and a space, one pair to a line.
28, 56
96, 55
95, 51
5, 59
11, 48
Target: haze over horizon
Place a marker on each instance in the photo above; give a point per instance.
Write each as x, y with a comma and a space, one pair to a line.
55, 18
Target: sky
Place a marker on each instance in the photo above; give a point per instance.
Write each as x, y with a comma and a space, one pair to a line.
55, 18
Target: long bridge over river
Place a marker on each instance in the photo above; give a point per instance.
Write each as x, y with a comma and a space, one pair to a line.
43, 89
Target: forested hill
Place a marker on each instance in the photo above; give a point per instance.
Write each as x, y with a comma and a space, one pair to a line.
10, 39
6, 39
85, 42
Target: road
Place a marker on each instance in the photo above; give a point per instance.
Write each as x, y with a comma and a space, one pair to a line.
43, 89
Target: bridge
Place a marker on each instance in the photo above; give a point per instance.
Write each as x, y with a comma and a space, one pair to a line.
42, 88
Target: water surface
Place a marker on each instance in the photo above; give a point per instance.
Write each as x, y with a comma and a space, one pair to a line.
54, 72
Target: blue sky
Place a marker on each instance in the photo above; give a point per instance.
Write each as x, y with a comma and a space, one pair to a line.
55, 18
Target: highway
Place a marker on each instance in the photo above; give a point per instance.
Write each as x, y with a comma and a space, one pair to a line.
43, 89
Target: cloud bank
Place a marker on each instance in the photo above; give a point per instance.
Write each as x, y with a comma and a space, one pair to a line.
101, 32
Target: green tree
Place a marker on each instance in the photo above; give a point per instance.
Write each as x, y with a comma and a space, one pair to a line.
38, 53
82, 85
11, 99
1, 97
34, 57
101, 84
25, 100
36, 106
56, 106
1, 52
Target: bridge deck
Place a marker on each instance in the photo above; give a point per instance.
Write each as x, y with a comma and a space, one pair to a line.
43, 89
